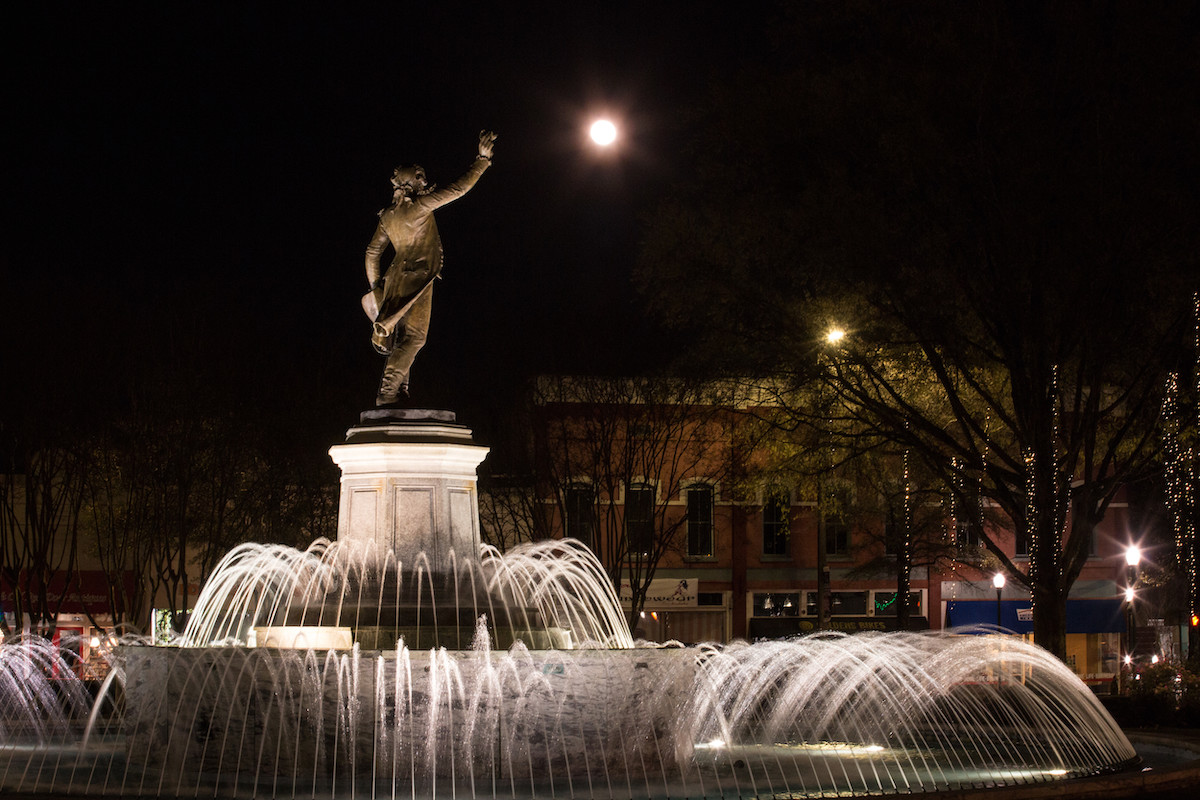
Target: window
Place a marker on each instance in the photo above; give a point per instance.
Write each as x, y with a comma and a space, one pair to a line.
837, 529
775, 523
810, 603
1021, 544
580, 501
848, 604
837, 536
639, 517
776, 604
967, 534
893, 533
700, 521
885, 604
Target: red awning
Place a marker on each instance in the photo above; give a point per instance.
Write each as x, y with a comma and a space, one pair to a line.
86, 593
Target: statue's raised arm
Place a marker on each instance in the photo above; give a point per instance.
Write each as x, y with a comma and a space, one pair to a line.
401, 297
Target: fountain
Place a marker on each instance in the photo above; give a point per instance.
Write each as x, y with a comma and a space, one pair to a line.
407, 660
871, 714
361, 667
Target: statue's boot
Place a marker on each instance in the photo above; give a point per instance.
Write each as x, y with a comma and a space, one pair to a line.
401, 399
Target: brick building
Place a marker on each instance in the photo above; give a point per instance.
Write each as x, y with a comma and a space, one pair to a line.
679, 482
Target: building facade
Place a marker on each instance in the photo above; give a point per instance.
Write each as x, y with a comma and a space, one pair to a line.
745, 552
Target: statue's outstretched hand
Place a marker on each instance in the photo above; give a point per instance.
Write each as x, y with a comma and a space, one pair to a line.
487, 144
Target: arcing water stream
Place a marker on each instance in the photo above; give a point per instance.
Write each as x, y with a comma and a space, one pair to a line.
514, 676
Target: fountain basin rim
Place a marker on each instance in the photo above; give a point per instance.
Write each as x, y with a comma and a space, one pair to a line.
1116, 782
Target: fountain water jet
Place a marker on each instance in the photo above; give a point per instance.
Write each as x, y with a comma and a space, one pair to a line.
513, 675
885, 713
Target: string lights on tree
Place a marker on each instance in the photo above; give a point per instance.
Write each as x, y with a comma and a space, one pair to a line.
1180, 454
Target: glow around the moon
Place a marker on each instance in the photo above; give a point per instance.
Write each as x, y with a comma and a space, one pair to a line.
603, 132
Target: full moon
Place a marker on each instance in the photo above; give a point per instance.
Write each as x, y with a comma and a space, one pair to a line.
603, 132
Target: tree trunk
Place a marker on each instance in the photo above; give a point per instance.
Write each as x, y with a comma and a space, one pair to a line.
903, 584
824, 619
741, 544
1050, 621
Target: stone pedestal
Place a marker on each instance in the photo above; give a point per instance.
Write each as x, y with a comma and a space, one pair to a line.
409, 484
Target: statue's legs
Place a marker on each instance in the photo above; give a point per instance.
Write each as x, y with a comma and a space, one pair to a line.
415, 327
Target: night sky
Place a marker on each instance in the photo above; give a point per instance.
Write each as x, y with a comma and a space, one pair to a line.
195, 189
192, 188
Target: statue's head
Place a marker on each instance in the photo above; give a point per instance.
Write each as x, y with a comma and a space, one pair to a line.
410, 179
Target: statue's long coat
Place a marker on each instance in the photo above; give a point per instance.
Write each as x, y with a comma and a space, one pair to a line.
411, 230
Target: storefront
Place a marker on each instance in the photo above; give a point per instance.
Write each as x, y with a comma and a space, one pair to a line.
778, 615
84, 629
676, 610
1094, 629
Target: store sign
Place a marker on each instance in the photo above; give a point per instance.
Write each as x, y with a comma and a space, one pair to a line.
784, 627
665, 592
1025, 614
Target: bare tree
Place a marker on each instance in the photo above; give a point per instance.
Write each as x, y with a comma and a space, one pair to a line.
119, 523
171, 487
510, 511
630, 445
1009, 254
40, 498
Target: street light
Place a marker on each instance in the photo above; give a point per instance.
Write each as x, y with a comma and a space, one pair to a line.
998, 582
1133, 556
826, 364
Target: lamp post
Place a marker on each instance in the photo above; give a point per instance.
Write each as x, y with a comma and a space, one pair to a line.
1133, 556
998, 582
833, 338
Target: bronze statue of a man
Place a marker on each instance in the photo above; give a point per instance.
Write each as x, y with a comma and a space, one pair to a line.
400, 299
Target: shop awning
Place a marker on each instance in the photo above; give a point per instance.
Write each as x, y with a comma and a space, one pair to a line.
87, 592
1084, 615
